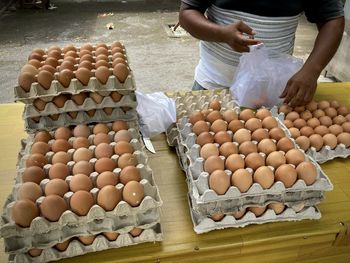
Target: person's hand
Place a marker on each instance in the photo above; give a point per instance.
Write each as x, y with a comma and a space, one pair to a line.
239, 36
300, 88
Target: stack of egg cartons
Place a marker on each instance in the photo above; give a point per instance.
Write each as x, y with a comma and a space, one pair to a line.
83, 182
241, 166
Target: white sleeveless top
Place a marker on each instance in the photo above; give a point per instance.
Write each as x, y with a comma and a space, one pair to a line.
218, 61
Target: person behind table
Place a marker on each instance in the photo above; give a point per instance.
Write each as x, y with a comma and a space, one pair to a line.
223, 34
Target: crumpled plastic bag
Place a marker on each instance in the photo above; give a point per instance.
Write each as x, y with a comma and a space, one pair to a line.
156, 113
261, 76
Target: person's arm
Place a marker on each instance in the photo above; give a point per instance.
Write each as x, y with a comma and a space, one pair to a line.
301, 87
193, 21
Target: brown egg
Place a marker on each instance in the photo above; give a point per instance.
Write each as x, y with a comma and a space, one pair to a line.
83, 75
66, 64
222, 136
276, 133
118, 48
330, 140
246, 114
133, 193
228, 148
129, 173
108, 197
42, 136
288, 123
51, 61
35, 252
23, 212
65, 76
213, 163
56, 187
111, 236
136, 231
40, 147
254, 160
60, 100
215, 105
33, 174
303, 142
59, 171
307, 131
306, 115
242, 135
25, 80
70, 59
49, 68
82, 154
342, 110
201, 126
318, 113
52, 207
269, 123
204, 138
335, 104
240, 213
107, 178
235, 125
87, 57
87, 64
247, 147
81, 130
313, 122
234, 162
278, 208
219, 181
30, 191
127, 159
260, 134
346, 126
307, 172
208, 150
122, 147
218, 125
242, 179
36, 159
118, 55
299, 109
88, 47
105, 164
120, 125
295, 156
275, 159
321, 130
316, 141
30, 69
101, 138
331, 112
339, 120
323, 104
81, 142
344, 138
87, 240
39, 104
105, 150
253, 124
295, 133
286, 174
257, 211
63, 133
119, 60
285, 144
264, 176
299, 123
326, 121
101, 49
284, 108
116, 96
292, 116
122, 135
117, 44
80, 182
63, 245
100, 128
121, 71
266, 146
101, 57
102, 74
79, 98
230, 115
217, 216
262, 114
213, 116
312, 106
82, 167
60, 145
81, 202
196, 116
45, 78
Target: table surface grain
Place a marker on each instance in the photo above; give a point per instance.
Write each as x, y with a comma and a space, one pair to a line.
323, 240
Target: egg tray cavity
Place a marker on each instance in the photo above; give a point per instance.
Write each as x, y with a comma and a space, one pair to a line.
325, 153
46, 123
187, 102
75, 87
89, 104
75, 248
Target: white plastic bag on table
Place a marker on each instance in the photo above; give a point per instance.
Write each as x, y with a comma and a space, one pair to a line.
156, 113
261, 77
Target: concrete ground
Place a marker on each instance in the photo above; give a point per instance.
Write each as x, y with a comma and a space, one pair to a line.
159, 63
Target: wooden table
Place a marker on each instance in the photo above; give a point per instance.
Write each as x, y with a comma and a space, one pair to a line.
325, 240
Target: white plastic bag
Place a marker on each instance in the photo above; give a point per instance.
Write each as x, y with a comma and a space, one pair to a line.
156, 113
261, 77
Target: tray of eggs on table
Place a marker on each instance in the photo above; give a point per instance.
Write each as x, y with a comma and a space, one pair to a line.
242, 167
78, 190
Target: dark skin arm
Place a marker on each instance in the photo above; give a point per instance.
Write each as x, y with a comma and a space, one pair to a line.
301, 88
194, 21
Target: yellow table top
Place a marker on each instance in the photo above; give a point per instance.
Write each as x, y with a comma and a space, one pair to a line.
323, 240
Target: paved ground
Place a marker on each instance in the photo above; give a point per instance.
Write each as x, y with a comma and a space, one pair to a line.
159, 63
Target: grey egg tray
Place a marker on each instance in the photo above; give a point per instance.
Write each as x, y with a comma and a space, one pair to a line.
203, 224
151, 233
75, 87
325, 153
89, 104
46, 123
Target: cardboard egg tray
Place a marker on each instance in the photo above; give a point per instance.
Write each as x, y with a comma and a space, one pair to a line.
43, 233
325, 153
64, 119
151, 233
89, 104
